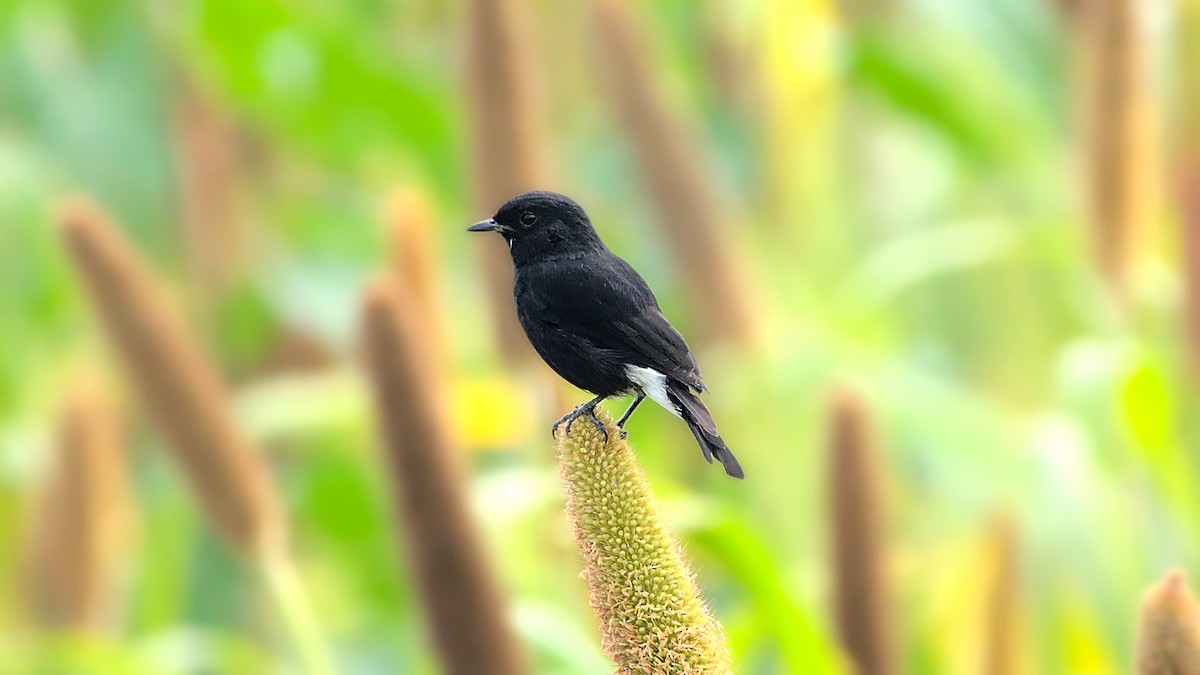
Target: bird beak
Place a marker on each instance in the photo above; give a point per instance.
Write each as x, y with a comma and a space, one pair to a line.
489, 225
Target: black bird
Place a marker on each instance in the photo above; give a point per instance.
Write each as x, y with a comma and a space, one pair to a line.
594, 320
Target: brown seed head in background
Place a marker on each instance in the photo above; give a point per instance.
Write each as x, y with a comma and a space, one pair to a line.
1185, 166
507, 147
461, 599
415, 258
1116, 113
1169, 629
861, 598
1001, 648
208, 162
83, 521
677, 174
176, 384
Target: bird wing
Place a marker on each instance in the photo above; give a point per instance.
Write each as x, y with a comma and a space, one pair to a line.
608, 304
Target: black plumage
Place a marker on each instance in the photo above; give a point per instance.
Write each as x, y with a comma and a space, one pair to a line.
594, 320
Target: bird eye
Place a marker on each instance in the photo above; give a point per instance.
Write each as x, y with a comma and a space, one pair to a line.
528, 219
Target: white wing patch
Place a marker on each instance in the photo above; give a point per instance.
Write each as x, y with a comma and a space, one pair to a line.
653, 384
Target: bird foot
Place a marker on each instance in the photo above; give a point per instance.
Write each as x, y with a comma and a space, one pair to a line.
588, 409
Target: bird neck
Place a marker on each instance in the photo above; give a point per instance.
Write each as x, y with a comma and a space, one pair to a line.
556, 245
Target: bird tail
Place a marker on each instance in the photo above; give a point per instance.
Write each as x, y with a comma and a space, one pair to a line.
700, 421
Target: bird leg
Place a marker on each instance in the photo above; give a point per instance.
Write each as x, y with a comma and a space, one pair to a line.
588, 409
636, 402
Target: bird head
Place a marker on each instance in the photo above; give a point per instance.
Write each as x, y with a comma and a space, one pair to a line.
541, 225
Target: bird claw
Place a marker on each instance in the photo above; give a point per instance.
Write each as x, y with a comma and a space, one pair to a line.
596, 420
587, 408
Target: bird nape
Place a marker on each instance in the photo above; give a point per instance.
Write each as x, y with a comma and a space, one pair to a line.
595, 322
